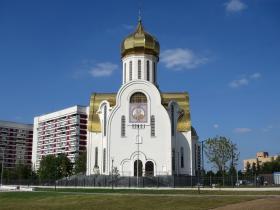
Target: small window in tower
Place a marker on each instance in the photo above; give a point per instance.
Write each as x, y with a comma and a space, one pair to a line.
96, 158
124, 75
153, 122
182, 157
123, 126
104, 160
139, 69
148, 70
154, 72
130, 70
105, 120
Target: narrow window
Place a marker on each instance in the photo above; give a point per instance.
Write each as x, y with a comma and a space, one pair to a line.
123, 126
182, 157
173, 159
172, 121
104, 160
105, 120
96, 157
139, 69
148, 70
130, 70
152, 125
154, 72
124, 73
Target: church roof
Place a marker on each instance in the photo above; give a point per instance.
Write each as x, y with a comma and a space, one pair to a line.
140, 42
184, 122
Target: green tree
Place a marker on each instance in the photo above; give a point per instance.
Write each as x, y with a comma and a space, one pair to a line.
221, 152
248, 168
254, 168
80, 164
64, 166
48, 169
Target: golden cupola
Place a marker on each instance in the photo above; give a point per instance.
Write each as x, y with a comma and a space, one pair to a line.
140, 42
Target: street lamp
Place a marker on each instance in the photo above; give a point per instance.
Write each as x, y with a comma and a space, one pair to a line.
2, 171
112, 171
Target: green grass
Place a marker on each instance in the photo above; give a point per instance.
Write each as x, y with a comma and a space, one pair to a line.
162, 191
62, 201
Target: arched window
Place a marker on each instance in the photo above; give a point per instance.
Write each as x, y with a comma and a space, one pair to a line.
172, 120
130, 70
123, 126
182, 157
153, 125
173, 159
139, 69
138, 97
105, 120
148, 70
96, 157
124, 73
154, 72
104, 160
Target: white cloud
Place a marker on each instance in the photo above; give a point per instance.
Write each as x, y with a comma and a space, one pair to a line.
180, 59
255, 76
216, 126
239, 83
242, 130
235, 6
244, 80
103, 69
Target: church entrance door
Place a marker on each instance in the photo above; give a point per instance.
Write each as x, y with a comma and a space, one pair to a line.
140, 168
149, 168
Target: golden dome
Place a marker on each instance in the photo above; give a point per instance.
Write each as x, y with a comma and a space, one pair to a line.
140, 42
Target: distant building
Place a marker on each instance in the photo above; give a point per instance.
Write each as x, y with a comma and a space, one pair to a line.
261, 158
15, 143
63, 131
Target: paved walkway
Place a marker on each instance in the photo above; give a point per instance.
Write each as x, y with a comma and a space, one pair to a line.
269, 203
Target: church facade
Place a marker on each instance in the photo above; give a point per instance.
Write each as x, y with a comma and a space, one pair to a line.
141, 131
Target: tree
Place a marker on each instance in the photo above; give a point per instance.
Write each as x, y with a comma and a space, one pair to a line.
64, 166
55, 167
47, 169
254, 168
248, 168
80, 164
221, 152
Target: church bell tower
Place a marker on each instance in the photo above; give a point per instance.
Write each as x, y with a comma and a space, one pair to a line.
140, 55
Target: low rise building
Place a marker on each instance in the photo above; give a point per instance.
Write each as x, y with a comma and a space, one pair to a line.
63, 131
261, 158
15, 143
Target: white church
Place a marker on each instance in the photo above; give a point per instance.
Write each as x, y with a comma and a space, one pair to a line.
141, 131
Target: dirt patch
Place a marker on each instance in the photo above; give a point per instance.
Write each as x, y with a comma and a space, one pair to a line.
270, 203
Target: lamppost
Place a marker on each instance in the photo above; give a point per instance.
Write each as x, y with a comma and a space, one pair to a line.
2, 171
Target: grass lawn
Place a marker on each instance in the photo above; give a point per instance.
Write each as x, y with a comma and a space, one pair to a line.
61, 201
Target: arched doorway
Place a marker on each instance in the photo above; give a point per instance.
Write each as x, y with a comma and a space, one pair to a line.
149, 168
140, 168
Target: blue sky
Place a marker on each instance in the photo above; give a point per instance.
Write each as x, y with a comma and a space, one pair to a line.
225, 53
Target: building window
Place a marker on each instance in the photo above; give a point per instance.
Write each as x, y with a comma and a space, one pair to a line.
139, 69
138, 97
124, 73
173, 159
105, 120
172, 120
154, 71
104, 160
153, 125
123, 126
130, 70
148, 70
96, 158
182, 157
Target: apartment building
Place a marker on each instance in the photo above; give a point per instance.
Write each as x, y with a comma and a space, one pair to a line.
63, 131
15, 143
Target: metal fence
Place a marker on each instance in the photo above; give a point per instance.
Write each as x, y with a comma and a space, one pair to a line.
265, 180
